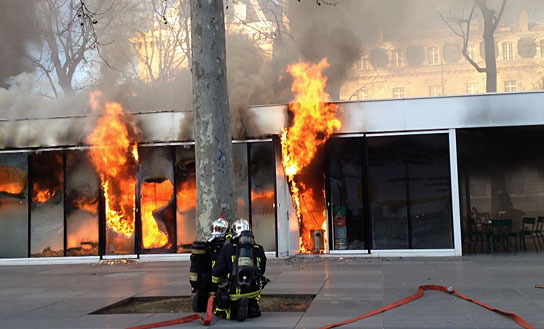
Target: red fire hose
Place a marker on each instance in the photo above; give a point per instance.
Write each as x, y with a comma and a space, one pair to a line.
420, 292
189, 318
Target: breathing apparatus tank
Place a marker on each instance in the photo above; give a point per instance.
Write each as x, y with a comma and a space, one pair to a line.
203, 254
245, 271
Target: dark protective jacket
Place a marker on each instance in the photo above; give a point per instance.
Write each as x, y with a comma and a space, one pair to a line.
223, 270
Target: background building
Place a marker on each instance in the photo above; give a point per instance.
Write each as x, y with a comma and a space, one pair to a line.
430, 63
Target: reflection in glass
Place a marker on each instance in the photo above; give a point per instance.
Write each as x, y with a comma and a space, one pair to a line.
239, 162
410, 192
262, 194
387, 188
429, 191
157, 200
47, 207
185, 197
13, 206
82, 194
346, 193
501, 174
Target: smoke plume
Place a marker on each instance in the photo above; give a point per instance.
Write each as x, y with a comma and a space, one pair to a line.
16, 31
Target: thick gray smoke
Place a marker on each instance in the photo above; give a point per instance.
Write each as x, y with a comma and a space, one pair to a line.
16, 31
303, 30
21, 101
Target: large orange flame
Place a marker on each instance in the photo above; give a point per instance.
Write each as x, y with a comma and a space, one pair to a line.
314, 121
154, 197
113, 155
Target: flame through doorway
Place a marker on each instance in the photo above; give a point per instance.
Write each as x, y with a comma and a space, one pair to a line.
314, 121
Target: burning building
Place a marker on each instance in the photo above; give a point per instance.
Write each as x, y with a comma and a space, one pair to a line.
391, 177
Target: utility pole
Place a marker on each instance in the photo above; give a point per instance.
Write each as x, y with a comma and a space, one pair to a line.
213, 139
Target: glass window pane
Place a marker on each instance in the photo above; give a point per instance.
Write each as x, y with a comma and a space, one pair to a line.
185, 197
502, 172
429, 191
82, 198
157, 200
387, 188
13, 205
239, 162
346, 193
263, 213
47, 207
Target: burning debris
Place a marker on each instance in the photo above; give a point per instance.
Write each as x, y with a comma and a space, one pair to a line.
313, 122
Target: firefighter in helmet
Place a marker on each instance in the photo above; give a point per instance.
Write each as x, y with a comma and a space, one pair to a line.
203, 256
238, 273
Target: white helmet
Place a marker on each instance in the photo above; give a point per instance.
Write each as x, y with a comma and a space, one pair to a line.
239, 226
219, 227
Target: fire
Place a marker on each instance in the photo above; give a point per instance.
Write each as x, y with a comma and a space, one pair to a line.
88, 204
42, 196
186, 195
262, 195
154, 197
114, 157
313, 215
12, 180
314, 121
262, 201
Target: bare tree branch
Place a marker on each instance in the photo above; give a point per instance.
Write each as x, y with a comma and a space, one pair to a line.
498, 17
464, 33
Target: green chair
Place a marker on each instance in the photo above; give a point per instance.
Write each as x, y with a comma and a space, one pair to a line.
538, 231
475, 235
528, 229
500, 235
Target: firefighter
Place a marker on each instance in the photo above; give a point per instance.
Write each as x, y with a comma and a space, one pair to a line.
238, 272
203, 256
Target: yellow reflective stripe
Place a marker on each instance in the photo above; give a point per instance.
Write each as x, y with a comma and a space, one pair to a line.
198, 251
254, 294
226, 310
217, 279
259, 263
193, 276
233, 258
213, 263
255, 246
212, 293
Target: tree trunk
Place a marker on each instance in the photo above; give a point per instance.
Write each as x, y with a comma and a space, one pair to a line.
489, 46
213, 140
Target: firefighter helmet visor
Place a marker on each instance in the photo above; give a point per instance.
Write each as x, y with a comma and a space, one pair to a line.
220, 226
239, 226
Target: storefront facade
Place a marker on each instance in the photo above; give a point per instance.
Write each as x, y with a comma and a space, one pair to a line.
400, 178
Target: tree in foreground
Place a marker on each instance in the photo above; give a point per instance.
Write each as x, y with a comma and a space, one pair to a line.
213, 141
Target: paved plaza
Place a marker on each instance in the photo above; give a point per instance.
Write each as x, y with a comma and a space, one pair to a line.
62, 296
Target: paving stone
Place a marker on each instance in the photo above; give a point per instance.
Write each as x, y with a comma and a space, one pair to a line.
62, 296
